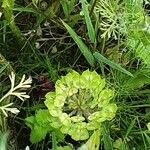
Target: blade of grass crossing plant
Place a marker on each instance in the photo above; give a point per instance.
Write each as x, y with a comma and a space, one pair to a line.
106, 137
97, 23
130, 127
83, 48
3, 68
67, 6
142, 134
25, 9
100, 58
91, 32
4, 30
147, 138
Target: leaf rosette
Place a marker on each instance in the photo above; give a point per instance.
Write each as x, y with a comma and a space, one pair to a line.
80, 104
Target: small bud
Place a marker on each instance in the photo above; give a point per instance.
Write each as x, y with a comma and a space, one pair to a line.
27, 148
14, 110
0, 14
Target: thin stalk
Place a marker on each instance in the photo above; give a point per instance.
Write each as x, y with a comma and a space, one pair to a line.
8, 13
54, 142
91, 11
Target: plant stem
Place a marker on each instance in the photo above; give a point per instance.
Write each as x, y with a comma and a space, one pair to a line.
91, 11
6, 95
54, 142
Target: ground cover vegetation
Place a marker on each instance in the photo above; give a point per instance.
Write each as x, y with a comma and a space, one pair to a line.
74, 74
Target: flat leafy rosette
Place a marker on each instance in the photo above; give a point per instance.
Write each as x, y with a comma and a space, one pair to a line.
80, 104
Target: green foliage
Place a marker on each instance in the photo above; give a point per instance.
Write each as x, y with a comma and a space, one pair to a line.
83, 48
50, 12
93, 142
36, 2
129, 19
106, 136
2, 68
148, 126
137, 29
67, 6
64, 148
8, 13
141, 78
40, 126
109, 11
5, 65
80, 104
100, 58
113, 33
91, 32
119, 145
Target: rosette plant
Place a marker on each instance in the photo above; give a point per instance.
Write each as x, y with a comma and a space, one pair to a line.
80, 104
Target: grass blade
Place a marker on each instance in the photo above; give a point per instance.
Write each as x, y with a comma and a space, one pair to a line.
130, 127
91, 32
24, 9
3, 68
100, 58
83, 48
67, 7
147, 137
106, 137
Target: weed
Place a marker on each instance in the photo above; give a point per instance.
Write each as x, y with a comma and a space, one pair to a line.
49, 39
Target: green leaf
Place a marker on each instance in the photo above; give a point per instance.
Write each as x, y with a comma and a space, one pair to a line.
8, 4
93, 143
141, 78
147, 137
39, 125
29, 121
148, 126
3, 68
39, 117
132, 124
137, 30
119, 144
78, 131
91, 32
83, 48
38, 133
25, 9
106, 136
67, 6
100, 58
64, 148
